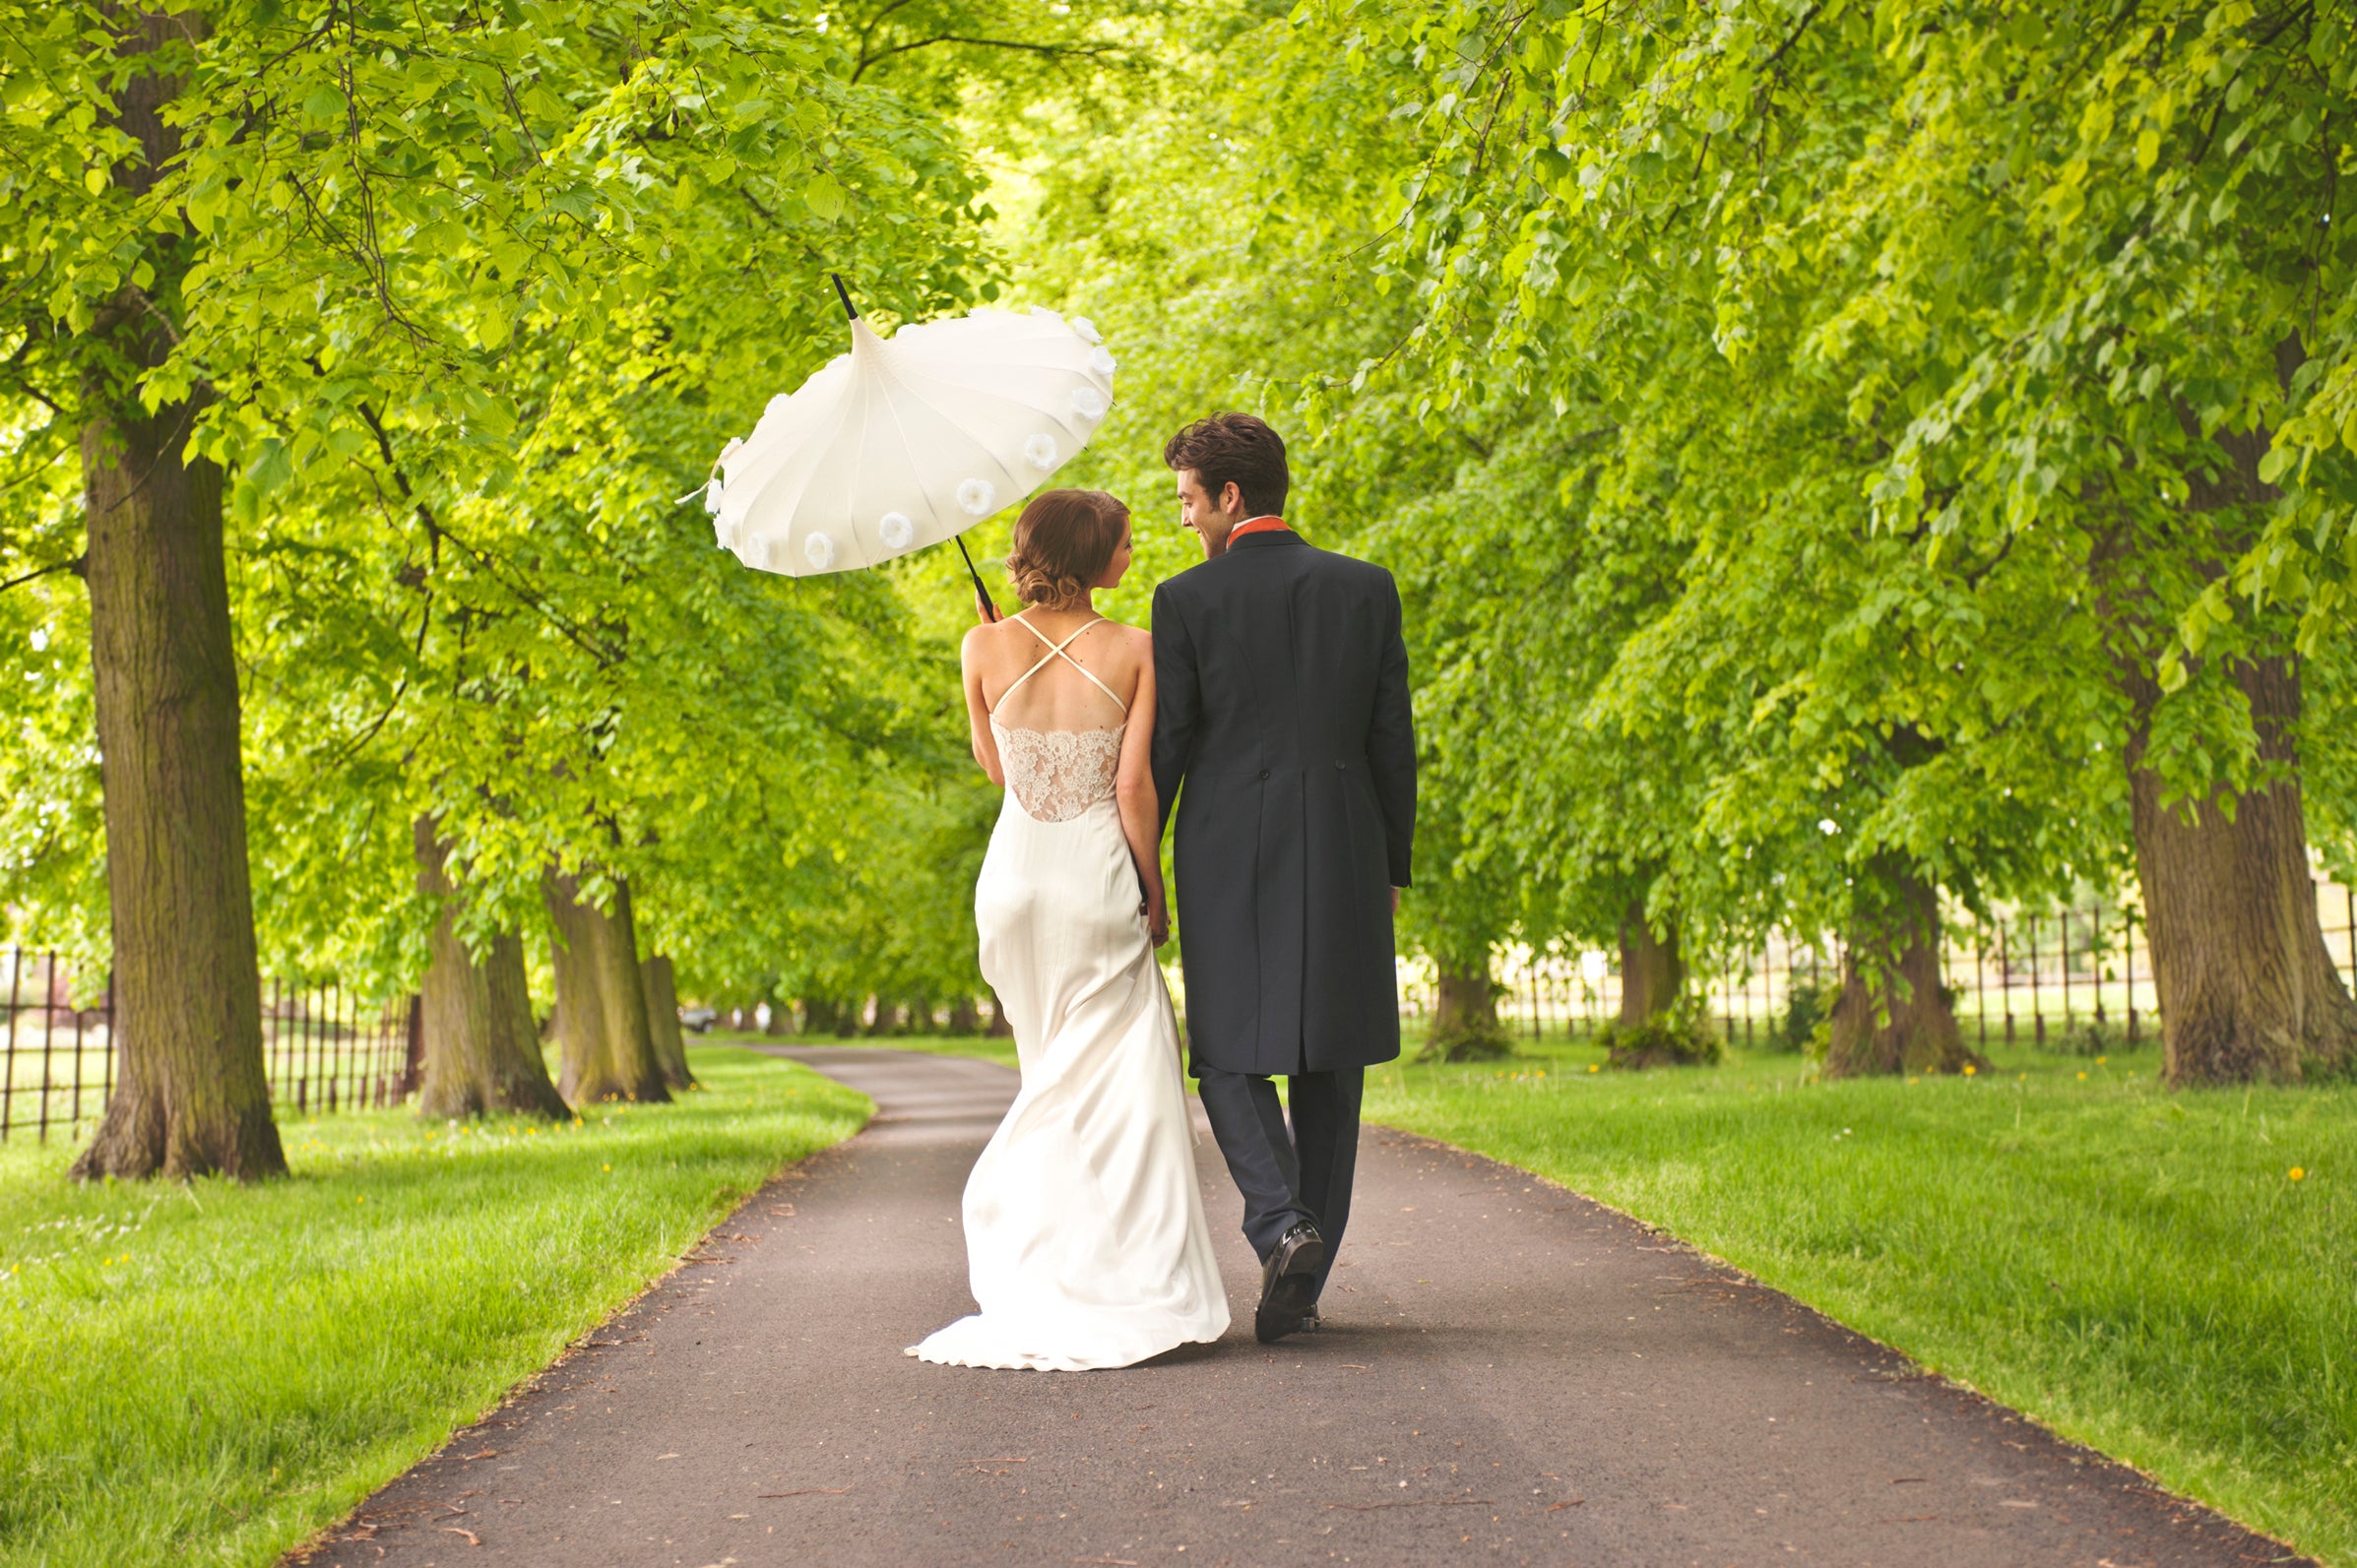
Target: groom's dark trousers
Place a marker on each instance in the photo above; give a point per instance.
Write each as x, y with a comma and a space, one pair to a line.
1288, 1173
1283, 734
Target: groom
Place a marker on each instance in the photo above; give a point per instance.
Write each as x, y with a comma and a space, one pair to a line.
1281, 706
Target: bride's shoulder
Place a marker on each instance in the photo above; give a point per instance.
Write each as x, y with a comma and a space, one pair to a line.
982, 643
1131, 639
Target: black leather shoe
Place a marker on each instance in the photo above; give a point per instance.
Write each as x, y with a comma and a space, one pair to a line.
1289, 1283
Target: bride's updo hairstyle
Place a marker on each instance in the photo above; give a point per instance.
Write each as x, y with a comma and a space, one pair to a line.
1063, 542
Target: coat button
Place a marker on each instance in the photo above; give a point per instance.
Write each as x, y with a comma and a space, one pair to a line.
1338, 765
1264, 773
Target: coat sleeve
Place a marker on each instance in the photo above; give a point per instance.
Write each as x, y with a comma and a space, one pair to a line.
1177, 702
1391, 746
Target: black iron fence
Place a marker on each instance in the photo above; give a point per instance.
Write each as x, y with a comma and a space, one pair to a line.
323, 1048
2073, 979
2077, 979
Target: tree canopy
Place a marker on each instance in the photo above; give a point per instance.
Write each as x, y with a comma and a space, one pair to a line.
1845, 464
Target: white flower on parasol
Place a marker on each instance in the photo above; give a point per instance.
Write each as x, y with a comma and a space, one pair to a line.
908, 441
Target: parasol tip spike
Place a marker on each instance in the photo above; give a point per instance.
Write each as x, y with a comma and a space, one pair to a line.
843, 294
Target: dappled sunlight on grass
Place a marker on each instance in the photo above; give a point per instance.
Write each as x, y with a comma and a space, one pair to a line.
209, 1371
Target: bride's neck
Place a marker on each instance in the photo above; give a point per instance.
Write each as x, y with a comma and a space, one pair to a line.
1084, 605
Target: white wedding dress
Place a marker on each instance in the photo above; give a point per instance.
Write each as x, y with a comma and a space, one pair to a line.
1085, 1239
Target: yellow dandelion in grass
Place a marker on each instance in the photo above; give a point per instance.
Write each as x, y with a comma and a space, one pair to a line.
605, 1167
1970, 1070
2100, 1060
2298, 1173
2082, 1078
1591, 1067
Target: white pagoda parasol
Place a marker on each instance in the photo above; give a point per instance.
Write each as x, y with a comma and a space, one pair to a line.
908, 441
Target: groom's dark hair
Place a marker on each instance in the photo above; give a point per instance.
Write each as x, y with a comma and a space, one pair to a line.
1237, 448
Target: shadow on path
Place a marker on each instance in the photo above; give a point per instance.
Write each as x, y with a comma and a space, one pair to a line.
1511, 1374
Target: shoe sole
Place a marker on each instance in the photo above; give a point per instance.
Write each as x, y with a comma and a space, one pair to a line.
1289, 1295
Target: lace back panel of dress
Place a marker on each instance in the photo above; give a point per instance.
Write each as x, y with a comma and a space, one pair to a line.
1055, 775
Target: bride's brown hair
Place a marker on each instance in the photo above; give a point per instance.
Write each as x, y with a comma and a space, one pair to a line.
1064, 541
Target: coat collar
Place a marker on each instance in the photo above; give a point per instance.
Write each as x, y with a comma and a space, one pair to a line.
1274, 540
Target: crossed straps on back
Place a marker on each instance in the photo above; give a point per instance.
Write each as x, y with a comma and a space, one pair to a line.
1057, 650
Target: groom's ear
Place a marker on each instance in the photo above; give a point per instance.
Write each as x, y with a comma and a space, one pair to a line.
1232, 497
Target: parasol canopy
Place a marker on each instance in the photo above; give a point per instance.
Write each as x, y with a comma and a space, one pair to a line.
910, 440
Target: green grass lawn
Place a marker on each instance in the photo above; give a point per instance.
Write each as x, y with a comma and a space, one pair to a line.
209, 1373
2138, 1268
1001, 1049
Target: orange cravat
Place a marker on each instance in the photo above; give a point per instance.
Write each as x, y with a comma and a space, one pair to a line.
1257, 525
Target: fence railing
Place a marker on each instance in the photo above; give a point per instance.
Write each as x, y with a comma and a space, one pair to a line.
2080, 978
2076, 979
324, 1048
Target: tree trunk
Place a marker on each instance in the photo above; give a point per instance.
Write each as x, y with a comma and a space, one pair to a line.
607, 1051
481, 1054
2246, 989
964, 1017
1464, 997
663, 1021
1652, 971
1892, 1015
1002, 1028
886, 1019
192, 1096
1465, 1022
412, 1060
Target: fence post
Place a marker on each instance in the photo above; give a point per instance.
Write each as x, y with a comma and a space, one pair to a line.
2037, 1004
2095, 962
2128, 931
337, 1003
77, 1121
1980, 981
1748, 978
2004, 974
2064, 920
8, 1064
48, 1036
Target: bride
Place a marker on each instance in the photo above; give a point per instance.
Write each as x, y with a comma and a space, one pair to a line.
1085, 1239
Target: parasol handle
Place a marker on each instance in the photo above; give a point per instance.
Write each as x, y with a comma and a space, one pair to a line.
981, 595
845, 295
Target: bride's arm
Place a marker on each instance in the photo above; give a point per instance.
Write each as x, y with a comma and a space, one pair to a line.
1133, 791
978, 711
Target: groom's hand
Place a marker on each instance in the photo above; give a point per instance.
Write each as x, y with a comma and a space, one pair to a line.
1395, 901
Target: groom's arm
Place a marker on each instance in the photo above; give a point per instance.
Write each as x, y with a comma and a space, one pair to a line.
1391, 746
1177, 702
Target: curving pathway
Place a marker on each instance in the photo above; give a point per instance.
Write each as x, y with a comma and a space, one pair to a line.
1511, 1374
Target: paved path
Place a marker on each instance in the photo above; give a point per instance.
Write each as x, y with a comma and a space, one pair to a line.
1512, 1374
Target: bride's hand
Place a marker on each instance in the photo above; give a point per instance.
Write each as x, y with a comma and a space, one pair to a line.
1158, 916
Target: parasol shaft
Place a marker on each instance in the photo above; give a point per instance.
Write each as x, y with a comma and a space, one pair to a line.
981, 593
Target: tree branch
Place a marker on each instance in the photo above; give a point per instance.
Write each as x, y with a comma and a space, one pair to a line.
1053, 50
74, 566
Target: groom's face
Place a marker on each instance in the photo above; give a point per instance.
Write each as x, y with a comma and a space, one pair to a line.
1210, 517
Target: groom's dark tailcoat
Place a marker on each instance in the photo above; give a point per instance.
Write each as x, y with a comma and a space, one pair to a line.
1282, 707
1282, 730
